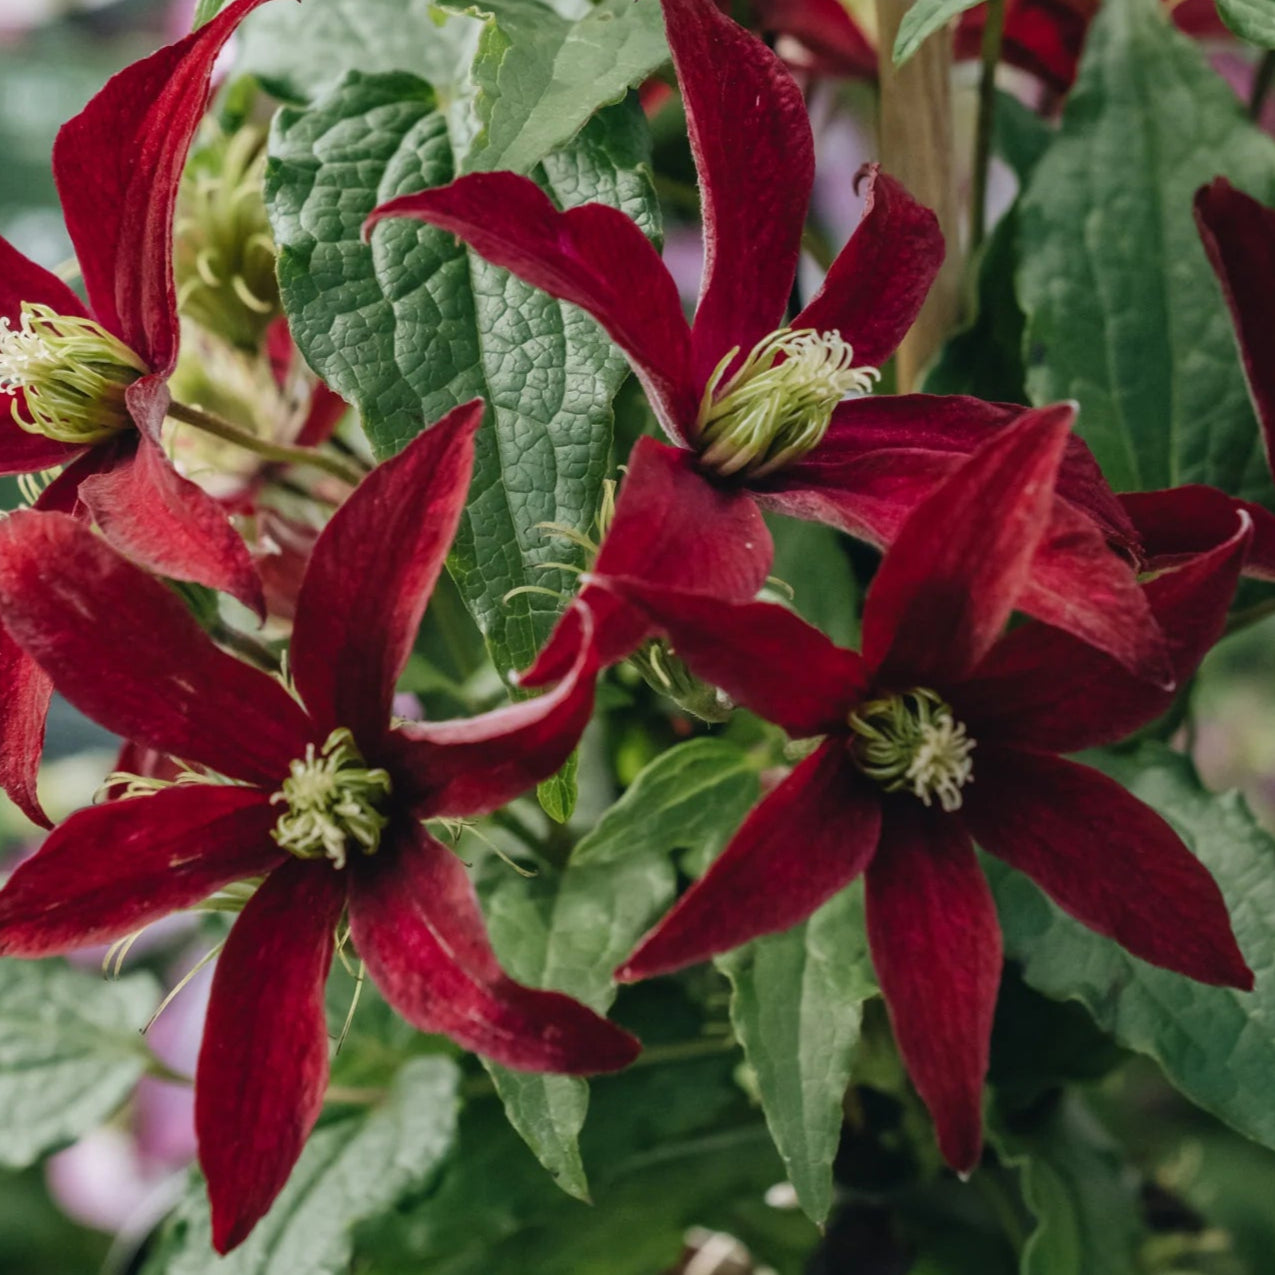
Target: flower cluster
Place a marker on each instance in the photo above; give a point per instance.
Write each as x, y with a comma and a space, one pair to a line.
947, 729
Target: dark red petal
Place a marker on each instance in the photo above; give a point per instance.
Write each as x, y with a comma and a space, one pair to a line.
832, 41
936, 945
416, 924
25, 691
750, 137
21, 279
126, 651
118, 164
263, 1064
674, 527
474, 765
880, 279
1044, 690
763, 656
109, 870
371, 574
1043, 37
22, 452
594, 257
956, 570
808, 839
1107, 859
148, 511
1239, 237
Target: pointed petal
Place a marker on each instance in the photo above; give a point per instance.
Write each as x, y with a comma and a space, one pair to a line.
750, 137
808, 839
876, 286
474, 765
936, 945
118, 164
263, 1064
126, 651
1108, 860
955, 572
594, 256
22, 452
416, 924
1239, 238
148, 511
109, 870
371, 574
673, 527
762, 655
25, 692
1044, 690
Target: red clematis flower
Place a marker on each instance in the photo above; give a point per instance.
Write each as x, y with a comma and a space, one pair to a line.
940, 734
84, 388
758, 405
324, 801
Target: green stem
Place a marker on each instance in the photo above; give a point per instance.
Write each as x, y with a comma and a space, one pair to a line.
248, 648
518, 827
1262, 80
353, 1096
993, 36
221, 428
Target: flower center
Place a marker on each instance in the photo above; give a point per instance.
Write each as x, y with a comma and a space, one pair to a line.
779, 403
72, 374
911, 741
332, 798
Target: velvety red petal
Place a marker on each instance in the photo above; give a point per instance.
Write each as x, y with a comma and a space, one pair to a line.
763, 656
831, 40
263, 1064
876, 286
371, 574
416, 924
674, 527
936, 945
594, 257
750, 137
148, 511
118, 164
1107, 859
126, 651
808, 839
474, 765
1238, 235
108, 870
1042, 37
25, 692
1044, 690
955, 571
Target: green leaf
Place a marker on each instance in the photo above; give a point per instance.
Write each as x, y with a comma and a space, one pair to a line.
205, 11
796, 1006
541, 76
353, 1169
810, 560
690, 797
70, 1052
1251, 20
1215, 1044
567, 930
413, 325
922, 20
1123, 312
299, 51
557, 794
1082, 1192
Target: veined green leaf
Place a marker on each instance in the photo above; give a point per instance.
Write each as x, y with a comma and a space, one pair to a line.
1251, 20
921, 21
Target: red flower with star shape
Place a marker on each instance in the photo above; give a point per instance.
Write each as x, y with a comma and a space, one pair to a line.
325, 801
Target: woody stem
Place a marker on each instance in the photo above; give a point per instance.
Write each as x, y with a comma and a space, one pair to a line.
221, 428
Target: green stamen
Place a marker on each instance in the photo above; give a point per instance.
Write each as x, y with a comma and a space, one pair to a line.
911, 741
332, 799
72, 375
779, 404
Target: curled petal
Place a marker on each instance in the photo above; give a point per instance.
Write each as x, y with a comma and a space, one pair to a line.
416, 924
263, 1063
1108, 860
371, 574
936, 945
125, 650
808, 839
109, 870
25, 692
876, 286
